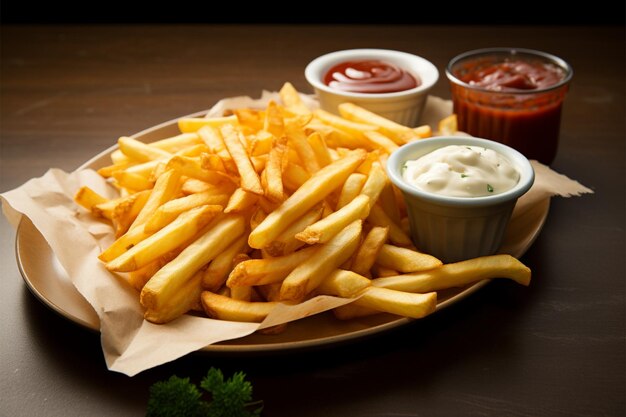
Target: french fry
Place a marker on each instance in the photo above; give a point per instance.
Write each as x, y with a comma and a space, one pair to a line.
183, 300
194, 124
387, 201
294, 176
351, 188
273, 171
165, 189
88, 198
378, 217
368, 250
225, 308
375, 300
459, 274
169, 238
305, 152
320, 149
217, 272
174, 144
380, 141
268, 271
398, 133
424, 131
325, 229
192, 168
352, 128
168, 211
240, 200
249, 178
287, 242
291, 99
125, 213
273, 122
309, 274
139, 151
341, 283
448, 125
309, 194
405, 260
163, 286
376, 182
133, 181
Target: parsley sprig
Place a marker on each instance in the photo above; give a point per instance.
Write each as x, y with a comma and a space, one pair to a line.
179, 397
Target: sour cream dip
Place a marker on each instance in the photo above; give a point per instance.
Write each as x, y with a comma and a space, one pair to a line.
461, 171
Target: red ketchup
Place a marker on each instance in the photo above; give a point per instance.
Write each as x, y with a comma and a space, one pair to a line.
370, 76
516, 101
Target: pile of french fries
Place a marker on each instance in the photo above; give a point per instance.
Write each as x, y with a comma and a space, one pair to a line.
274, 205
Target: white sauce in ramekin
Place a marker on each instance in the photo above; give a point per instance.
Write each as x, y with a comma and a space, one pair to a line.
461, 171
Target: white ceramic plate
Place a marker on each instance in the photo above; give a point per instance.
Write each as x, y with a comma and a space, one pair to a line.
49, 282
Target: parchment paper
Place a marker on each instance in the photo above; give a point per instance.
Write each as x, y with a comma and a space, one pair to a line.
131, 344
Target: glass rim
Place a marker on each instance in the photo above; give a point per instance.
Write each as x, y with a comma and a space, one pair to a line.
561, 63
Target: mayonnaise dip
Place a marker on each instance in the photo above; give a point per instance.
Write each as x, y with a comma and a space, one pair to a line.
461, 171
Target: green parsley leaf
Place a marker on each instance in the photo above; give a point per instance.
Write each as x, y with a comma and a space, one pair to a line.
489, 188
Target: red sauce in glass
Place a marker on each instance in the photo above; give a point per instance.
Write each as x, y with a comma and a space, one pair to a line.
370, 77
509, 111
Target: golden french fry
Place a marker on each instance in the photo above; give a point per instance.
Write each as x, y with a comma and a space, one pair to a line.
459, 274
320, 149
174, 144
341, 283
165, 189
225, 308
387, 201
376, 182
379, 141
88, 198
352, 128
302, 200
165, 283
219, 268
294, 176
240, 200
132, 181
167, 212
351, 188
194, 124
169, 238
448, 125
405, 260
325, 229
306, 154
268, 271
378, 217
424, 131
384, 300
273, 122
250, 180
273, 171
192, 168
287, 242
398, 133
309, 274
140, 151
125, 213
184, 299
291, 99
368, 251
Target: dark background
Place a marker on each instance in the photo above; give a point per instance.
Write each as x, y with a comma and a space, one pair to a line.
421, 12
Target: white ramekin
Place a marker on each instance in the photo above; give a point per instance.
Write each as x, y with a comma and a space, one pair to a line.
404, 107
458, 228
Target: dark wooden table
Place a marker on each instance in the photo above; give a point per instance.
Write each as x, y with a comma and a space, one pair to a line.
556, 348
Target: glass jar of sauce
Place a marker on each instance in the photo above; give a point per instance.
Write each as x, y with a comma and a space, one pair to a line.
513, 96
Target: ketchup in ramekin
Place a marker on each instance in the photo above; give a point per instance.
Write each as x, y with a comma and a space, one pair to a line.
513, 96
370, 76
